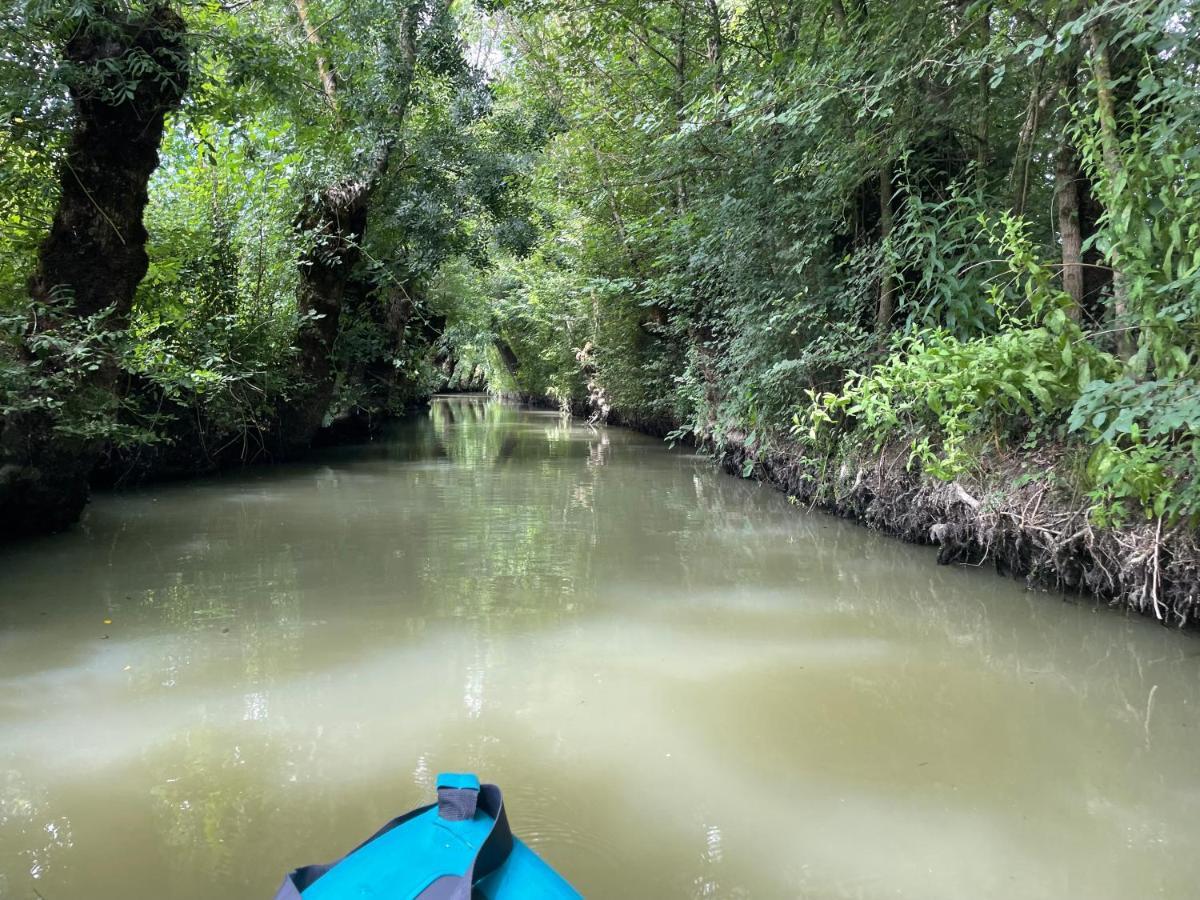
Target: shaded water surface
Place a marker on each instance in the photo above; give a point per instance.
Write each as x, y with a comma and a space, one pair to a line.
687, 687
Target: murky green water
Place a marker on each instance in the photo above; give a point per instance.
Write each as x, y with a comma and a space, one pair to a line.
686, 687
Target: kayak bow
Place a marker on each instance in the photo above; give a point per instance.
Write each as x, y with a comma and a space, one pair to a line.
458, 848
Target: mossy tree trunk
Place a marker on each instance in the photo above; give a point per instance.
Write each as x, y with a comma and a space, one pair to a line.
128, 70
1066, 178
336, 221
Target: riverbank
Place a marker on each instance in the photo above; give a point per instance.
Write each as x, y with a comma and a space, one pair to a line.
1012, 516
1015, 515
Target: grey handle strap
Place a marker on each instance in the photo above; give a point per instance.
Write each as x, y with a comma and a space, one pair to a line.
488, 858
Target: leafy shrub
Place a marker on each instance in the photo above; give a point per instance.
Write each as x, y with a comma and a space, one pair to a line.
49, 372
946, 267
1147, 447
938, 390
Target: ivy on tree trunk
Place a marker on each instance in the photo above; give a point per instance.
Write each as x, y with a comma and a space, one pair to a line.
127, 72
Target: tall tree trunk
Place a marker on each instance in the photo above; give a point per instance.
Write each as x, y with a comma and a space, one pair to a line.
1114, 166
512, 364
839, 13
324, 69
716, 52
396, 313
1097, 275
1026, 138
681, 198
1067, 180
335, 221
856, 15
1066, 174
887, 282
95, 254
983, 127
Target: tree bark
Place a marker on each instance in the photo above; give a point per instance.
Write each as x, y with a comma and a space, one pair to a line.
1097, 275
1066, 173
397, 315
94, 256
96, 249
887, 282
511, 363
335, 221
1067, 179
1027, 137
839, 13
716, 52
681, 196
324, 69
1114, 166
983, 132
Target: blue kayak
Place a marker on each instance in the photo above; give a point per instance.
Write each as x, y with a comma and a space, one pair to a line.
457, 849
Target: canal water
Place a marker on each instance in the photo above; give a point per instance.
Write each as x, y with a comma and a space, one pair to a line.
686, 686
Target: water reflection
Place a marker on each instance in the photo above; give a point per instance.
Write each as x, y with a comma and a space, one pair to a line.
40, 838
687, 687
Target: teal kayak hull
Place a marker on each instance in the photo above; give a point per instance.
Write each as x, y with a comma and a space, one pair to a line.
458, 849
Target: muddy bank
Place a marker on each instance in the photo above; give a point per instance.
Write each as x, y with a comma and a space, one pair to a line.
1013, 519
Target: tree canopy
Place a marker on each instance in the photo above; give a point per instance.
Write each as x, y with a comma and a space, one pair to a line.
964, 227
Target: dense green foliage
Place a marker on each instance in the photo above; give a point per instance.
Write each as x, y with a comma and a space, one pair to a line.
209, 354
848, 224
844, 224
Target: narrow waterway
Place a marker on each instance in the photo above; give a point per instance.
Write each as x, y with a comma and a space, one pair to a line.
686, 686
